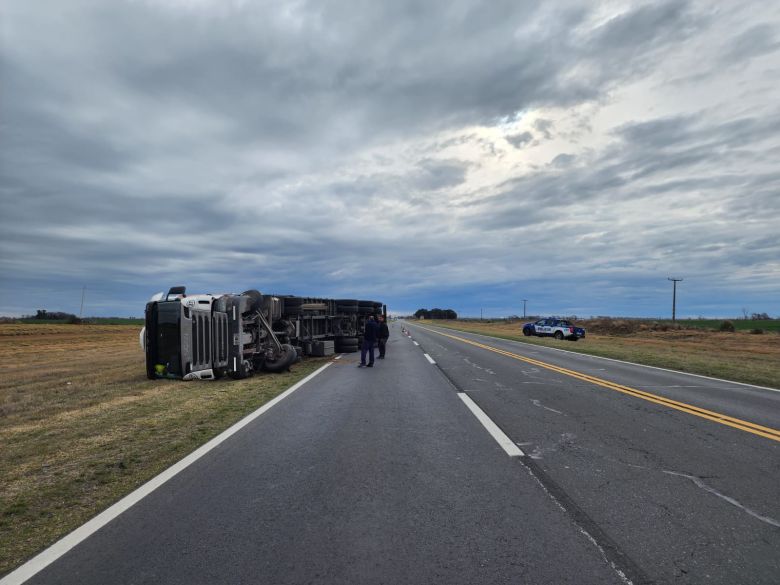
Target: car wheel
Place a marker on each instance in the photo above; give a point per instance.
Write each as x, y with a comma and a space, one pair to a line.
558, 335
527, 332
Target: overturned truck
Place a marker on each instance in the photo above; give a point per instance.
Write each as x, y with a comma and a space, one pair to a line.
208, 336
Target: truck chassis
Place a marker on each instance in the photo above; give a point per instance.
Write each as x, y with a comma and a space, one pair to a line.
208, 336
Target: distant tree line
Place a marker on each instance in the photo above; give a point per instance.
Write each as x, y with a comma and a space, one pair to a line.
435, 314
44, 315
760, 317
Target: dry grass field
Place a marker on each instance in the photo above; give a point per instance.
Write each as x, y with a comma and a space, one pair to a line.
81, 426
740, 356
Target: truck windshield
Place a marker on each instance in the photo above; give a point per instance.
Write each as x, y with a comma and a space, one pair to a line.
167, 336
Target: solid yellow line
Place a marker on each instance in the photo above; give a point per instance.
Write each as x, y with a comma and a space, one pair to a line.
717, 417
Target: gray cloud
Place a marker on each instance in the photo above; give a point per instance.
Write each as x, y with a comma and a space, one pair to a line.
520, 140
544, 127
760, 39
297, 148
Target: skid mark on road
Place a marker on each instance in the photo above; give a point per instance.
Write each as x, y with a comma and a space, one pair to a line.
538, 404
730, 500
473, 365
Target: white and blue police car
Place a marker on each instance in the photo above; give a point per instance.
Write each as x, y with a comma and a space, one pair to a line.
554, 327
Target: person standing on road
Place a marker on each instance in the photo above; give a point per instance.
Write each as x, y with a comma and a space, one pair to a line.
384, 333
369, 339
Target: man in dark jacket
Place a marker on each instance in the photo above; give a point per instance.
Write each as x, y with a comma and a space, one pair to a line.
384, 333
370, 336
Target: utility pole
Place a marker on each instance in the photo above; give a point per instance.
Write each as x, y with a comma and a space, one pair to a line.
480, 314
674, 296
81, 310
524, 302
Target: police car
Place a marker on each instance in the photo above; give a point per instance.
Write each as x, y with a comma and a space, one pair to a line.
554, 327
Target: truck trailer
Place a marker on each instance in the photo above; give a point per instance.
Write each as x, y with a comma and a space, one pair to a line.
208, 336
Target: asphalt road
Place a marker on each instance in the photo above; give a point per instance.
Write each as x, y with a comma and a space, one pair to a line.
384, 475
687, 499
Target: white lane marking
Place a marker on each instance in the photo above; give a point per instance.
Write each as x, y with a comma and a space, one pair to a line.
338, 357
415, 343
429, 358
62, 546
505, 442
598, 357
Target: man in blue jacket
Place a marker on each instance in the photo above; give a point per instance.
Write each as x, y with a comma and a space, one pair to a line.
384, 334
370, 336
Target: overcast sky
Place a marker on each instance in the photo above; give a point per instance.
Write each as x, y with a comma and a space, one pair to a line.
457, 154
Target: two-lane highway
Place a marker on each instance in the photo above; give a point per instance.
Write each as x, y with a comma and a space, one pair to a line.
461, 459
683, 475
361, 476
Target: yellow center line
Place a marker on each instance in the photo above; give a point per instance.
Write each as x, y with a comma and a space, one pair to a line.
717, 417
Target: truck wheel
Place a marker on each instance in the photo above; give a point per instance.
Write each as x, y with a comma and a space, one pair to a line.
346, 306
527, 332
292, 306
558, 335
346, 345
257, 299
286, 358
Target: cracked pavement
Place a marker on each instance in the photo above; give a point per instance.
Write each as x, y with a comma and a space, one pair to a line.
686, 499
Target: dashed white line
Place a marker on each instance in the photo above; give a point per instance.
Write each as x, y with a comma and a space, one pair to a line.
59, 548
500, 437
429, 358
598, 357
415, 343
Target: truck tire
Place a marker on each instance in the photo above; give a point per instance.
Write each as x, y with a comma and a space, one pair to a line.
558, 335
287, 357
346, 306
257, 299
292, 305
347, 343
527, 332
